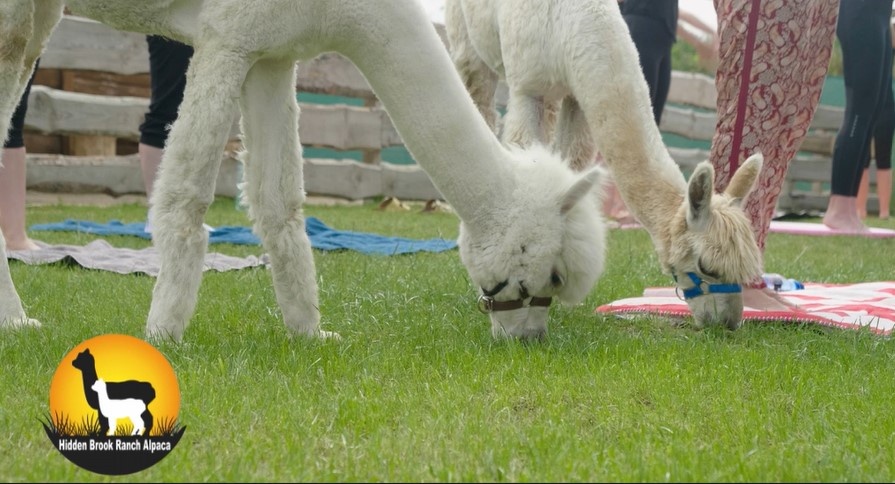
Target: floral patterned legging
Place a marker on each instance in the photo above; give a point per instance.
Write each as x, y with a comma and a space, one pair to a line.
774, 56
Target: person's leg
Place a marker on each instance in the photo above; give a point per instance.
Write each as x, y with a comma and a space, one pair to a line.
863, 193
168, 63
12, 181
663, 83
862, 30
650, 38
767, 76
883, 133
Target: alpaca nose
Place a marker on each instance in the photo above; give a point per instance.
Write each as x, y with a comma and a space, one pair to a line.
727, 312
527, 324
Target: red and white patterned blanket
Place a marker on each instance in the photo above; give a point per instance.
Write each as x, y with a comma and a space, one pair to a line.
868, 305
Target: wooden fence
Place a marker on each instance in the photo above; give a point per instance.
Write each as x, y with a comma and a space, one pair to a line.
92, 89
692, 115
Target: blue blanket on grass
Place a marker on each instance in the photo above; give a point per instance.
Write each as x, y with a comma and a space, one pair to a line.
322, 237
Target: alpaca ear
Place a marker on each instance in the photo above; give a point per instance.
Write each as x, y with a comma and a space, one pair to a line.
699, 195
581, 188
742, 182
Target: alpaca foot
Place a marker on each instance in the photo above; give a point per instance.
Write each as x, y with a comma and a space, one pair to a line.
14, 322
157, 333
329, 335
317, 333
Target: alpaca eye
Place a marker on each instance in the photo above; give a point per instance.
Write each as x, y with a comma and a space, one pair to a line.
556, 280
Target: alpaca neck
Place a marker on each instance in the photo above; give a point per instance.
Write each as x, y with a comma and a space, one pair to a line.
609, 86
88, 377
103, 398
409, 69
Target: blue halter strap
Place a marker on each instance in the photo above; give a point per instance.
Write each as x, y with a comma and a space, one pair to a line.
702, 288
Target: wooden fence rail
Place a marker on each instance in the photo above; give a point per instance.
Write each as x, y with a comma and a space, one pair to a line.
95, 85
691, 114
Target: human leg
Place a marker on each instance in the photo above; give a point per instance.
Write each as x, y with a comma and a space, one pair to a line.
773, 79
12, 180
653, 45
883, 134
862, 31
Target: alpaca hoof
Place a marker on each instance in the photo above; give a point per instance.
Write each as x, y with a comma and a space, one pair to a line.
329, 335
158, 334
15, 322
318, 334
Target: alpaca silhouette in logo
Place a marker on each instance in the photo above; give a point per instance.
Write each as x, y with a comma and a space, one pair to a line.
106, 402
130, 408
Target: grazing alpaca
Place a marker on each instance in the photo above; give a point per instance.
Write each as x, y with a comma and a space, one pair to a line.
579, 53
130, 389
112, 410
528, 232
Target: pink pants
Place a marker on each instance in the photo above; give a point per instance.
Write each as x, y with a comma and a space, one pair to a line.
773, 60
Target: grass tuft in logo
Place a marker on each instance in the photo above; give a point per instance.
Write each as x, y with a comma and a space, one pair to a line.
114, 401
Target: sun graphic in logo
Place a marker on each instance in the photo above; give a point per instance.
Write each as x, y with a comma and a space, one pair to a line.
114, 385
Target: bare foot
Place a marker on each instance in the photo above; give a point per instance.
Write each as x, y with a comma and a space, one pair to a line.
842, 214
26, 244
766, 299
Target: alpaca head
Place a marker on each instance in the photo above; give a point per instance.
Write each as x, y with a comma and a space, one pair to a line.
84, 360
546, 239
99, 386
712, 250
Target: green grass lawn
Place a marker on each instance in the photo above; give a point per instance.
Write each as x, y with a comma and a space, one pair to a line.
416, 390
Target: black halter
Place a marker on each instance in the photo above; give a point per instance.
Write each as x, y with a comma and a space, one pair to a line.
487, 304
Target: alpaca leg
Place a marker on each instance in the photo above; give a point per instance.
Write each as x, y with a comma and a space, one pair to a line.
147, 421
480, 80
103, 424
275, 192
522, 124
138, 425
12, 314
572, 138
185, 185
112, 426
25, 27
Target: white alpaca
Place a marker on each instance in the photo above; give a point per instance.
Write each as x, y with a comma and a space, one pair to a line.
579, 53
528, 232
130, 408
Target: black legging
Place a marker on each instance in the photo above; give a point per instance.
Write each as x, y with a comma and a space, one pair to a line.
884, 129
15, 136
654, 45
168, 62
863, 32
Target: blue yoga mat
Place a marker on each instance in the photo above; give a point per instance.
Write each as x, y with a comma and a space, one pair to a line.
322, 236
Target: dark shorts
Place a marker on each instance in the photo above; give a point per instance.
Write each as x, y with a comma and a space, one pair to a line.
168, 62
16, 138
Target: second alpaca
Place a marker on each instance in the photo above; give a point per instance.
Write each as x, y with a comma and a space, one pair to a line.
112, 410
